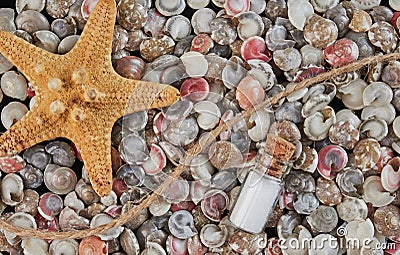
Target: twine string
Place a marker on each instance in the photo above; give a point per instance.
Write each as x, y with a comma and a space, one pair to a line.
192, 152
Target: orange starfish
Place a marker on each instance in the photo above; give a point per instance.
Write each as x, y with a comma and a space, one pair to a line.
79, 95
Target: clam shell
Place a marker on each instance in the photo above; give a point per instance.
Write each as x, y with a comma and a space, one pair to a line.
64, 27
249, 92
262, 72
236, 7
386, 113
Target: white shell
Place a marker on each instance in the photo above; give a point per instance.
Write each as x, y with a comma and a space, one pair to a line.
395, 4
153, 248
5, 65
12, 189
351, 208
377, 94
360, 229
374, 128
67, 44
352, 94
314, 104
195, 63
298, 12
35, 246
71, 200
317, 126
262, 71
311, 56
258, 6
37, 5
213, 236
110, 199
386, 113
396, 126
201, 20
102, 219
262, 120
390, 178
46, 40
324, 5
365, 4
14, 85
198, 4
178, 27
250, 24
64, 247
374, 193
233, 72
209, 114
12, 112
19, 219
201, 169
170, 7
297, 95
31, 102
348, 115
322, 249
159, 206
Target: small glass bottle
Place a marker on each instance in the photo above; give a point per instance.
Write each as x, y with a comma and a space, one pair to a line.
263, 186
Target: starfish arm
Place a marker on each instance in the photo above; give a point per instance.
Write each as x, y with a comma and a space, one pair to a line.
95, 149
133, 96
95, 43
33, 128
25, 56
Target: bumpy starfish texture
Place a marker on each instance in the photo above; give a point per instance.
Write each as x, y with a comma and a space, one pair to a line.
79, 95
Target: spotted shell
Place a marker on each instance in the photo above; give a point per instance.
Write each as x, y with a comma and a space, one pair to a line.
320, 32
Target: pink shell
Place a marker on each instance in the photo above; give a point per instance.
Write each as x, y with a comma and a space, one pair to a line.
12, 164
31, 91
393, 250
195, 89
77, 152
288, 199
93, 245
45, 224
213, 205
249, 92
176, 246
130, 67
202, 43
184, 205
113, 210
156, 162
331, 159
308, 72
87, 7
160, 123
119, 187
273, 246
235, 7
255, 48
386, 155
195, 247
342, 52
390, 178
50, 205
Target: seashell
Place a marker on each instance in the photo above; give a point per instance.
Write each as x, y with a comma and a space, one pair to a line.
7, 19
390, 74
250, 24
195, 246
130, 67
386, 113
37, 156
32, 177
381, 13
320, 32
132, 149
328, 192
132, 175
156, 162
102, 219
383, 35
62, 153
12, 189
33, 246
365, 4
198, 69
201, 20
298, 182
12, 164
69, 220
223, 31
201, 169
377, 94
255, 48
14, 85
349, 116
87, 7
152, 48
19, 219
236, 7
349, 181
224, 155
153, 248
176, 246
110, 199
367, 153
209, 114
67, 44
305, 203
159, 207
5, 66
46, 40
213, 236
374, 128
63, 246
338, 15
178, 27
233, 72
342, 52
296, 17
324, 219
170, 8
365, 48
120, 39
287, 224
262, 120
93, 245
394, 5
198, 4
307, 159
331, 160
323, 6
202, 43
361, 21
352, 208
64, 27
386, 220
194, 89
374, 193
286, 130
359, 229
129, 242
344, 134
319, 241
50, 205
29, 202
31, 21
246, 243
290, 111
249, 92
181, 133
316, 126
390, 178
154, 24
135, 38
22, 5
86, 193
131, 15
214, 203
181, 224
351, 94
224, 180
12, 113
311, 56
287, 59
71, 200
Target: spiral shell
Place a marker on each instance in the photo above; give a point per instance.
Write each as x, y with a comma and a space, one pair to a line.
384, 36
131, 15
14, 85
320, 32
387, 220
342, 52
350, 181
323, 219
352, 208
60, 180
170, 7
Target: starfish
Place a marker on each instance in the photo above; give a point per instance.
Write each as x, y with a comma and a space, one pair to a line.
79, 95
